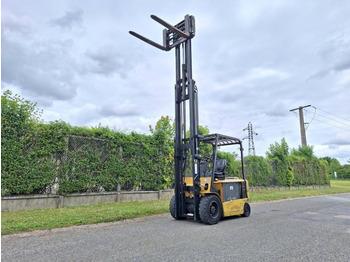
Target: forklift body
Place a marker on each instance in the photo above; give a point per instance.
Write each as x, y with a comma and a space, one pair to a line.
205, 193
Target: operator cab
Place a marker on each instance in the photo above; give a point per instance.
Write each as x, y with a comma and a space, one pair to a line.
213, 166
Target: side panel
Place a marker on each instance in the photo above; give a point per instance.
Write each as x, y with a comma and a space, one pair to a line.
232, 191
234, 196
234, 207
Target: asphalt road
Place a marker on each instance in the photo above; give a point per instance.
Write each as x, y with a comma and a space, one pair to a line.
307, 229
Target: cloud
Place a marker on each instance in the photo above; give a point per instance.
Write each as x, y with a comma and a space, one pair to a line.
250, 62
69, 19
12, 23
341, 152
335, 54
125, 109
278, 110
41, 69
339, 140
107, 61
344, 78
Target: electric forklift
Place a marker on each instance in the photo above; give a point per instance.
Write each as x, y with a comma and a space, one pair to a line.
202, 190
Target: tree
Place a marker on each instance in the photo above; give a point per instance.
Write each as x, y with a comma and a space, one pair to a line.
304, 152
333, 165
164, 128
26, 166
278, 154
344, 172
18, 116
233, 166
280, 151
163, 135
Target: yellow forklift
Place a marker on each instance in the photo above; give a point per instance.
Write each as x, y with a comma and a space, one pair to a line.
219, 196
205, 194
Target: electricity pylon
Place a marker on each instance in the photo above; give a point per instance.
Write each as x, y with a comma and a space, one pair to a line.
251, 150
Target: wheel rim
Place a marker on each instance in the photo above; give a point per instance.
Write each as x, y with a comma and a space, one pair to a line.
214, 209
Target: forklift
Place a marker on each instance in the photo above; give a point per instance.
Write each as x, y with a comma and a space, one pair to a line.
202, 190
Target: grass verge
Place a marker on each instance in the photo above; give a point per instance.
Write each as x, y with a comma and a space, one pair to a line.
29, 220
337, 187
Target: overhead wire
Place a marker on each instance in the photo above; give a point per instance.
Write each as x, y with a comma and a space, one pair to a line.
317, 115
332, 125
333, 119
331, 114
308, 123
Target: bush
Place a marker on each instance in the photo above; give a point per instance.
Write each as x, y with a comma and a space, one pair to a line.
26, 166
308, 169
37, 155
344, 172
279, 159
233, 167
258, 171
80, 159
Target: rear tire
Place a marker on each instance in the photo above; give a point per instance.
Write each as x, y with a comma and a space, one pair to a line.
210, 210
172, 209
246, 212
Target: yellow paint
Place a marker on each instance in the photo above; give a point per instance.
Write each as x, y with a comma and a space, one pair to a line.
234, 207
203, 181
188, 180
230, 208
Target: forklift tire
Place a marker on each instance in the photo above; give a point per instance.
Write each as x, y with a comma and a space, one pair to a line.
172, 209
210, 210
246, 210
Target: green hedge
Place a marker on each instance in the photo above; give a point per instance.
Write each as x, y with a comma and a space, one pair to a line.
26, 166
98, 164
258, 171
36, 156
283, 167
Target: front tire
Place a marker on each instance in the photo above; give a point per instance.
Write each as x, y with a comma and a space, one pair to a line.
210, 210
172, 209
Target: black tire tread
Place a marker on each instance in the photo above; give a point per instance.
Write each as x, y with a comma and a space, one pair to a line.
172, 209
246, 212
204, 212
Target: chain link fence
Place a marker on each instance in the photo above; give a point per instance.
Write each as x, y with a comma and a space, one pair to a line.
98, 165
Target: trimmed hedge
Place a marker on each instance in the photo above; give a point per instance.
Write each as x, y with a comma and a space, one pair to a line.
26, 166
258, 171
285, 168
37, 156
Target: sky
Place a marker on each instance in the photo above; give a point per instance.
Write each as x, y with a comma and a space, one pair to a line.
253, 61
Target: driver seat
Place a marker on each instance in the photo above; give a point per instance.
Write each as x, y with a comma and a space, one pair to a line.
220, 169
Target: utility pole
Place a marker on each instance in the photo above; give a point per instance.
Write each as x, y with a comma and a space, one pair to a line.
302, 124
251, 151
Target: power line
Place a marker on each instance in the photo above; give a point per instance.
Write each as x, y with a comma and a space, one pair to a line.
308, 123
332, 125
332, 114
316, 116
332, 119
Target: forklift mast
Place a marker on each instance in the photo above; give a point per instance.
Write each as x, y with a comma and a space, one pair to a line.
186, 98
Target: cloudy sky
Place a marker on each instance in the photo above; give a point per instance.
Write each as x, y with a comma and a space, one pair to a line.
253, 61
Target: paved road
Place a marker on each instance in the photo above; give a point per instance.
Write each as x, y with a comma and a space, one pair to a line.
308, 229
